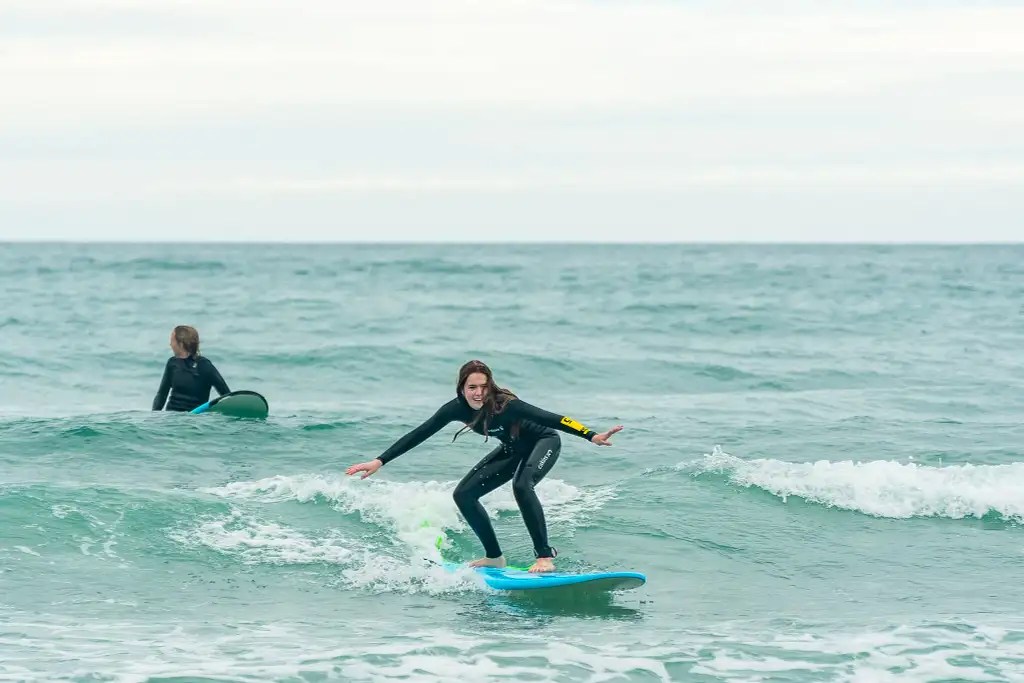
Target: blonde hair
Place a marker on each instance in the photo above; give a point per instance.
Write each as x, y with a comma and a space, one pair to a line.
187, 338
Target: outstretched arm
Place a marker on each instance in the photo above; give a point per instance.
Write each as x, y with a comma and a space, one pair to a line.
444, 415
522, 410
414, 438
165, 386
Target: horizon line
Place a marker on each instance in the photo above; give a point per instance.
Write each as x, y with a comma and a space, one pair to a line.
564, 242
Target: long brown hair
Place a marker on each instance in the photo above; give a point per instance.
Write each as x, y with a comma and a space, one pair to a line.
188, 339
495, 399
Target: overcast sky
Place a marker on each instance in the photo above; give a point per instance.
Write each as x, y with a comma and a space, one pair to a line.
526, 120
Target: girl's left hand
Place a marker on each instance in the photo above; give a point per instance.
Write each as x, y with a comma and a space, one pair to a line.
602, 439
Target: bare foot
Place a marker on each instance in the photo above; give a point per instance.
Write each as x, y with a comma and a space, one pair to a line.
543, 564
498, 562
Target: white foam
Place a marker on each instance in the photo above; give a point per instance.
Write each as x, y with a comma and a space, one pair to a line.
881, 488
416, 515
390, 502
86, 542
254, 541
383, 573
365, 565
130, 652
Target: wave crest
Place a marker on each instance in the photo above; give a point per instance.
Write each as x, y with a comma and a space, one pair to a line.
880, 488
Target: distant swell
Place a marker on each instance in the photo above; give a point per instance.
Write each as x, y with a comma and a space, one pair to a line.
880, 488
141, 265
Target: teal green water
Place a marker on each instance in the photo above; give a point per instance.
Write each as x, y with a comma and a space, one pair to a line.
820, 473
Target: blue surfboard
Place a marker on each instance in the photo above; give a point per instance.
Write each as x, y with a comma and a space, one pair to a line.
515, 579
241, 403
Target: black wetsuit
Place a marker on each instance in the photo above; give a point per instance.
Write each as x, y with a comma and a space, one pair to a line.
529, 449
189, 381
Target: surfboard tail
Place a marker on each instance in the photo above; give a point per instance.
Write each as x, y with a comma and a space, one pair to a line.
241, 403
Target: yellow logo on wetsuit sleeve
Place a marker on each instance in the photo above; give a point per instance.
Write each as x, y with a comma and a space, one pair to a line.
573, 424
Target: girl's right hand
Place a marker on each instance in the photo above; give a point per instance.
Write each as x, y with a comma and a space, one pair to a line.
367, 467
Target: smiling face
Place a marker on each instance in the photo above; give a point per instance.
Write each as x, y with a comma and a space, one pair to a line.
475, 385
475, 390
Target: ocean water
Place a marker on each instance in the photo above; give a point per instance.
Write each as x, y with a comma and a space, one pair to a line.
821, 468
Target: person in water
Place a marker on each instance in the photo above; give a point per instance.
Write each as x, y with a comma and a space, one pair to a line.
187, 375
529, 448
